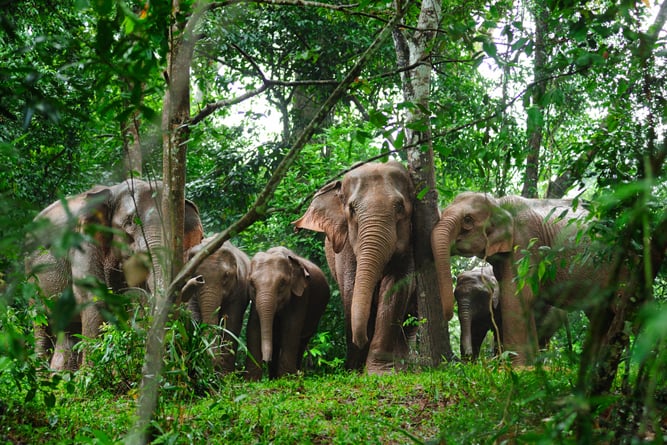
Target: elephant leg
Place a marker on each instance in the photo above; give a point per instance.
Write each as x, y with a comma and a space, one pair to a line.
64, 358
86, 263
355, 356
91, 320
229, 345
550, 322
477, 338
343, 267
291, 339
389, 346
253, 343
519, 333
44, 341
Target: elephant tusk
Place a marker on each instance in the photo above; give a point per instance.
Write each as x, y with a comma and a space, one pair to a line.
190, 286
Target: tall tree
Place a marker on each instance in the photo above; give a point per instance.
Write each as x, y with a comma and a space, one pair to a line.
535, 113
413, 52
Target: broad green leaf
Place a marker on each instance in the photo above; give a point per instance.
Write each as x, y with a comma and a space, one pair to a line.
489, 48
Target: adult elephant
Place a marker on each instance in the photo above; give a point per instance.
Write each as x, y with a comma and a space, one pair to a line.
119, 232
218, 294
478, 301
367, 219
290, 295
511, 233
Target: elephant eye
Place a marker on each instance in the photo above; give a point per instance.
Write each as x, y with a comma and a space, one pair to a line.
399, 207
468, 222
129, 221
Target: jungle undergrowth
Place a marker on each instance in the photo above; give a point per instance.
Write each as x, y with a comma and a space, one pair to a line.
460, 403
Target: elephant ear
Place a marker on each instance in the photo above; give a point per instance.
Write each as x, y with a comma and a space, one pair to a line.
500, 231
193, 229
96, 215
495, 296
326, 214
300, 276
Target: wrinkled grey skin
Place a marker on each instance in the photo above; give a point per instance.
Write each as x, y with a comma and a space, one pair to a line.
501, 231
218, 294
129, 214
478, 296
290, 295
367, 219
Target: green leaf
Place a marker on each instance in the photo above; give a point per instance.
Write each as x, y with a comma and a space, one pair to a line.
535, 118
418, 125
583, 60
655, 333
128, 25
49, 400
490, 48
579, 31
103, 7
378, 118
400, 140
520, 43
82, 5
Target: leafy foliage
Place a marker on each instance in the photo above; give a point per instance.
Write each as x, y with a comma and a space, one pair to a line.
74, 75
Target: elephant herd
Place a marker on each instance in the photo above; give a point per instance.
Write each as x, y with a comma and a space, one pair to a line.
367, 219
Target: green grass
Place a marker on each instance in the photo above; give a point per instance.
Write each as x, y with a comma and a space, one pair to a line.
459, 403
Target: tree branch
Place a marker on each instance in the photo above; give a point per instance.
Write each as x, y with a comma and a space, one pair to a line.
259, 208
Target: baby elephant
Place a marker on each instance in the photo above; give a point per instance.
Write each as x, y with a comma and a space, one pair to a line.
290, 296
219, 294
477, 297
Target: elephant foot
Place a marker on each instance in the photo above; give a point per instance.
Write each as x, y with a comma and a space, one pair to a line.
64, 360
385, 363
64, 357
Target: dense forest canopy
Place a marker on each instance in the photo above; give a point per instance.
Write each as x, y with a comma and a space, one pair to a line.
247, 108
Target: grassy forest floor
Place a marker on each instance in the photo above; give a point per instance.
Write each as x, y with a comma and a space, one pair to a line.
484, 402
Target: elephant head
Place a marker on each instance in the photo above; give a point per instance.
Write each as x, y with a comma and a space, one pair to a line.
370, 210
474, 224
477, 297
277, 277
126, 223
220, 282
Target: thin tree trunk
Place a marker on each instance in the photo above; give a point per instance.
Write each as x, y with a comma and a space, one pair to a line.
129, 130
536, 114
434, 334
175, 134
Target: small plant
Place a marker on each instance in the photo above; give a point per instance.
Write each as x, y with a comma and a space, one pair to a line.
115, 357
414, 321
320, 350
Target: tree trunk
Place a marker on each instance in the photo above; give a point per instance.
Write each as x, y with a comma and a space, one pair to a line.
175, 131
129, 130
434, 334
536, 111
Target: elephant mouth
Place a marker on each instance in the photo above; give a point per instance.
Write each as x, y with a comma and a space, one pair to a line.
465, 249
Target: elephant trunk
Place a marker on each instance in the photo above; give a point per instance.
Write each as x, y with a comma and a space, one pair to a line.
155, 279
442, 237
265, 303
466, 330
374, 251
